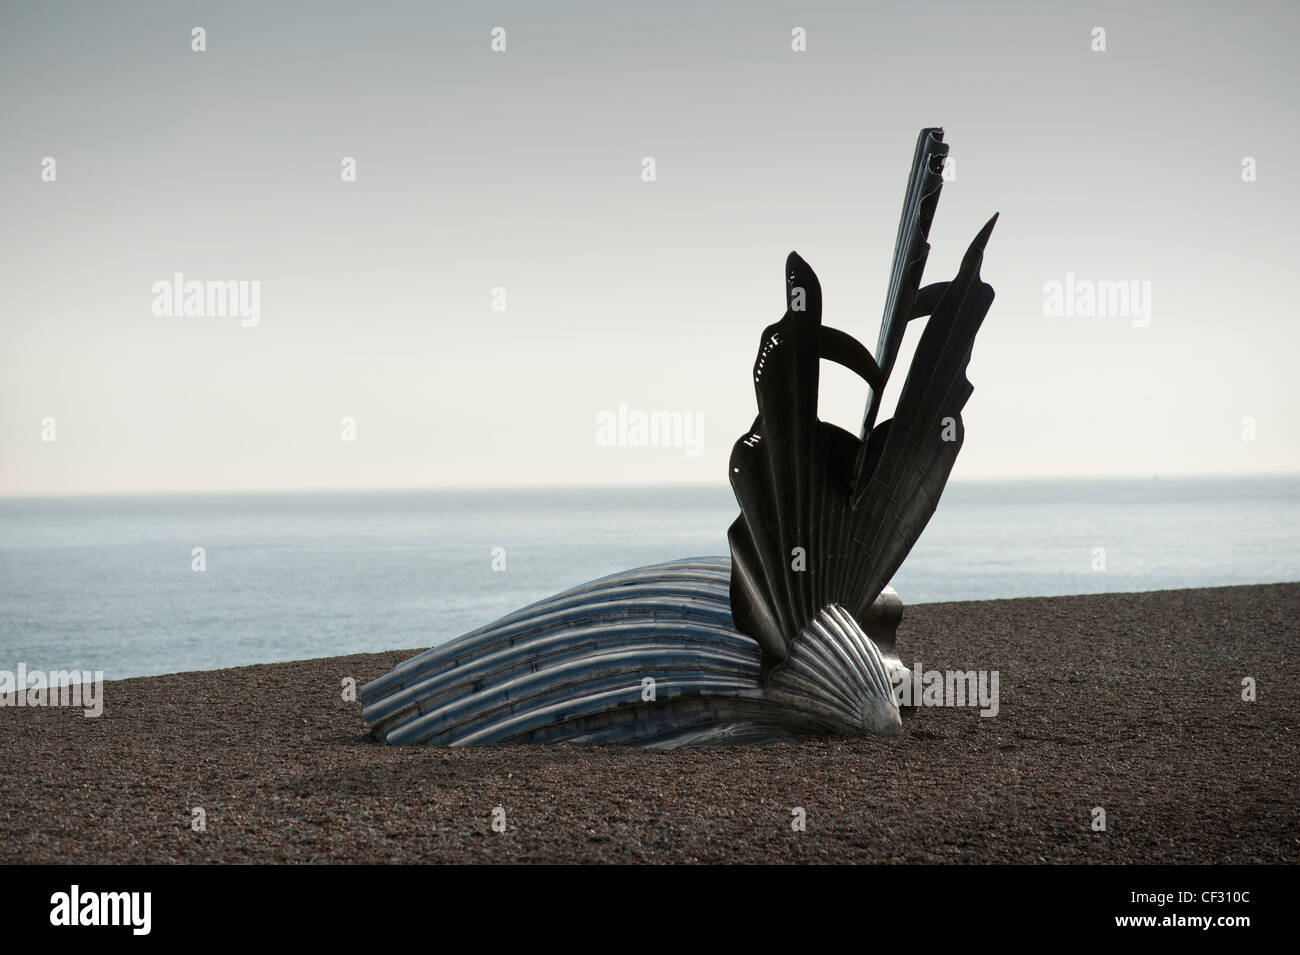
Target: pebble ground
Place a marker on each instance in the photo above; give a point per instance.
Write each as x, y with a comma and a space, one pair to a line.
1131, 703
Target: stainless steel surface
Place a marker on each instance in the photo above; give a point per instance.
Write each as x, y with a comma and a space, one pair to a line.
795, 633
573, 668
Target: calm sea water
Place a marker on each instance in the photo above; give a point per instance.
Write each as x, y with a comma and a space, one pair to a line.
106, 583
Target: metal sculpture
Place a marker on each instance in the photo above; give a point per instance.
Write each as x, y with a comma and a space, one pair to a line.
794, 635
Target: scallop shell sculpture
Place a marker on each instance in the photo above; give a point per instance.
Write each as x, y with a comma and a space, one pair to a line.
794, 634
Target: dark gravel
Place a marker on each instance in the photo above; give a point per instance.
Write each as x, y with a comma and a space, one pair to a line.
1128, 702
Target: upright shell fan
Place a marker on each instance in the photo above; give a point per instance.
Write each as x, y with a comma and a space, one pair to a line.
795, 634
826, 518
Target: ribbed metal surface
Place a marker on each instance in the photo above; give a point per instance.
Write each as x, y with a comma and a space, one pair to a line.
827, 517
571, 668
835, 671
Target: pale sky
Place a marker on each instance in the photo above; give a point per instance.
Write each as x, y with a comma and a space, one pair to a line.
522, 170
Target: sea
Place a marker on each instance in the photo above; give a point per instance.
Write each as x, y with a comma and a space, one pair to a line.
143, 585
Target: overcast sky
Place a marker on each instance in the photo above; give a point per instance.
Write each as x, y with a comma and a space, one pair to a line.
523, 170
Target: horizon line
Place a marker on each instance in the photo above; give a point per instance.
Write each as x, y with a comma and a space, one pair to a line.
673, 485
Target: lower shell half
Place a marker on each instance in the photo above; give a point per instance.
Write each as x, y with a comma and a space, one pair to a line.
647, 657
